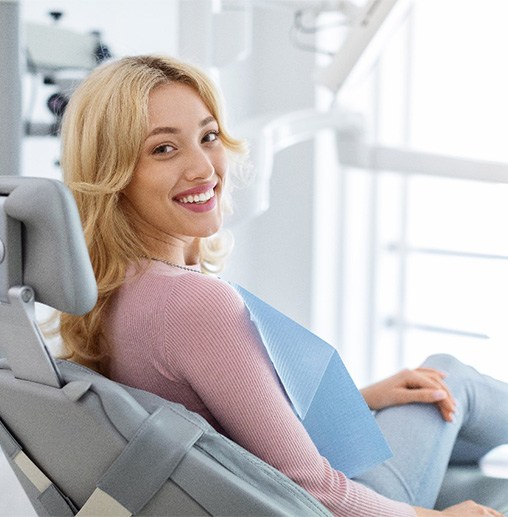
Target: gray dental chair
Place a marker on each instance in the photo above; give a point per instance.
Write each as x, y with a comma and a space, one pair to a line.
79, 443
83, 445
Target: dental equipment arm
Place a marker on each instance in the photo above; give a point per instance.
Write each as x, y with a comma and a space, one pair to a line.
367, 28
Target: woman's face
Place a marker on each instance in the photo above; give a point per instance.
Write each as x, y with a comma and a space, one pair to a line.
177, 185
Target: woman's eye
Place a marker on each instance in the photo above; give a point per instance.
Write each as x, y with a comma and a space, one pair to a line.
212, 136
163, 149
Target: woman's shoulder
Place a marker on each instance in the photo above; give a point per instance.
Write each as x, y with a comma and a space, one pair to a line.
208, 309
208, 291
184, 293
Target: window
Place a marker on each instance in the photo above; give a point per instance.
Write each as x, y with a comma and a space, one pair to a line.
423, 259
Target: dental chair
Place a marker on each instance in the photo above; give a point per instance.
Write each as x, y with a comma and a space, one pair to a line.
81, 444
78, 442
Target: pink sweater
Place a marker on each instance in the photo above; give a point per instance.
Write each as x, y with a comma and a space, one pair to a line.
188, 338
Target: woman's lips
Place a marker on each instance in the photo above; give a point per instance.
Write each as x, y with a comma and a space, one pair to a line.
198, 199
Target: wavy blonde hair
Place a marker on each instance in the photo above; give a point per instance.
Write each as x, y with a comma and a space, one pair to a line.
103, 129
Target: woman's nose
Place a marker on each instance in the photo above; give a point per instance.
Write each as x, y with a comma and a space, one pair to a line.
199, 166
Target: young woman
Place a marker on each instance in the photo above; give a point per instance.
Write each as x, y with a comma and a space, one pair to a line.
146, 153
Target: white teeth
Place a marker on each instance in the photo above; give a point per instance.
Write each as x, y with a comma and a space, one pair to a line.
201, 198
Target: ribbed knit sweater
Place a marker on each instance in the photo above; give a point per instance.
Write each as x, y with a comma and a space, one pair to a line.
188, 338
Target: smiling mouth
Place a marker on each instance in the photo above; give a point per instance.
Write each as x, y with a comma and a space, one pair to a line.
197, 199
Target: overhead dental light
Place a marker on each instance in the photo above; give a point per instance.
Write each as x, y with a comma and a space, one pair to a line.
53, 48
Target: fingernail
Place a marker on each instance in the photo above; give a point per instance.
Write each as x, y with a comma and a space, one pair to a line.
439, 395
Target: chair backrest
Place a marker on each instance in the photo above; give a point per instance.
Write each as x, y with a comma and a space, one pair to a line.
43, 258
55, 259
78, 442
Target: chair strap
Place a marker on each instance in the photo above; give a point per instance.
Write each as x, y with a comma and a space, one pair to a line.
100, 503
135, 476
150, 458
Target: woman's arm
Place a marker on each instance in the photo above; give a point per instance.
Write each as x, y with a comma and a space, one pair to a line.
221, 356
214, 347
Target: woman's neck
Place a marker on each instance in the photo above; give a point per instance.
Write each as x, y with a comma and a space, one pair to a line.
182, 253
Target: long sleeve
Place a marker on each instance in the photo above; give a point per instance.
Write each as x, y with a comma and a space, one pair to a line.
211, 344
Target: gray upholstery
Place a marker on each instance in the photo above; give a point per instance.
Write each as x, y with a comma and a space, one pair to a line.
43, 258
55, 259
90, 441
470, 482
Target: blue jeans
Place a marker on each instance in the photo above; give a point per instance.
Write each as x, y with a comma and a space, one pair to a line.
424, 445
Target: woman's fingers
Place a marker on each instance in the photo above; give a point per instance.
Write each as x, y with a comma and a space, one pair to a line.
424, 385
429, 387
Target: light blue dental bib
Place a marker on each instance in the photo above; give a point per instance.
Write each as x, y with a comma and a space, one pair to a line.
320, 389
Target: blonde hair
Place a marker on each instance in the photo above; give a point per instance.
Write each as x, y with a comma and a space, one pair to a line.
103, 128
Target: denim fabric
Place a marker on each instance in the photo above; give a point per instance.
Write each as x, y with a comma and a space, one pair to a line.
424, 444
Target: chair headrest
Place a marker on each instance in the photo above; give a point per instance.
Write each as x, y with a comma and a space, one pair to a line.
53, 259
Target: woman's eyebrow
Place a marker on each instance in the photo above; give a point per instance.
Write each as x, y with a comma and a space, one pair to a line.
173, 130
207, 121
163, 129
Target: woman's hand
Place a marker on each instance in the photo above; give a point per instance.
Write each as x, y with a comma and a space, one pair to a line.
465, 509
424, 385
